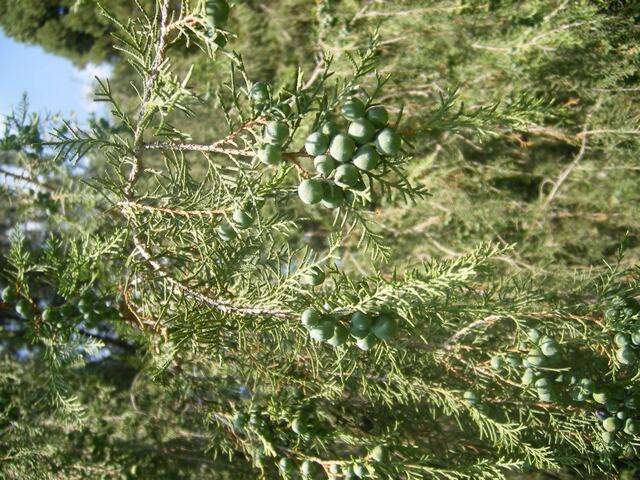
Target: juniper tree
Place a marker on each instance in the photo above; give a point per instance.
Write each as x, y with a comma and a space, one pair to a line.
224, 306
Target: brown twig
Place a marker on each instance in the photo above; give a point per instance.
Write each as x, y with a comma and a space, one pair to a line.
223, 306
174, 211
567, 171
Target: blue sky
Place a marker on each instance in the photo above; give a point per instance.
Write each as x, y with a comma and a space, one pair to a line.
53, 83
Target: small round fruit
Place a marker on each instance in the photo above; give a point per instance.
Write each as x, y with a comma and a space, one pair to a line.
310, 318
259, 92
85, 305
587, 385
276, 132
631, 403
309, 470
608, 437
470, 397
384, 327
366, 158
497, 362
600, 397
611, 424
380, 453
622, 414
225, 232
342, 147
535, 358
357, 333
9, 295
311, 191
299, 426
366, 343
68, 310
631, 427
316, 143
24, 309
602, 414
635, 338
626, 355
330, 129
270, 155
50, 315
347, 472
359, 470
324, 165
340, 336
577, 395
353, 109
347, 175
542, 383
534, 335
528, 376
549, 347
361, 130
323, 331
285, 465
242, 219
314, 277
378, 116
361, 321
621, 339
388, 142
545, 396
333, 196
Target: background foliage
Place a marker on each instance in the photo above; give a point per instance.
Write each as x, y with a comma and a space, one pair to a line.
522, 119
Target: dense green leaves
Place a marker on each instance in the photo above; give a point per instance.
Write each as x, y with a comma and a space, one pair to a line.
184, 305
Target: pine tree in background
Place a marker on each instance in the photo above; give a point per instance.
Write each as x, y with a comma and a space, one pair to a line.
184, 307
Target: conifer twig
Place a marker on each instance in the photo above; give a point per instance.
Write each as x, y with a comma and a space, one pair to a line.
175, 211
222, 305
149, 84
567, 171
193, 147
448, 344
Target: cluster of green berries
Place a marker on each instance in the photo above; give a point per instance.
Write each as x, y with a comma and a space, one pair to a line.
340, 158
263, 102
616, 414
44, 201
241, 219
622, 315
91, 308
622, 311
23, 307
543, 351
626, 347
616, 406
275, 135
87, 307
311, 470
255, 417
304, 421
314, 276
365, 329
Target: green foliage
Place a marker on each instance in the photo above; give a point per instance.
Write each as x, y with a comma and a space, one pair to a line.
178, 302
71, 28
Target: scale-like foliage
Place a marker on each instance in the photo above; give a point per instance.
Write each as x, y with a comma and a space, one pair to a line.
183, 307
